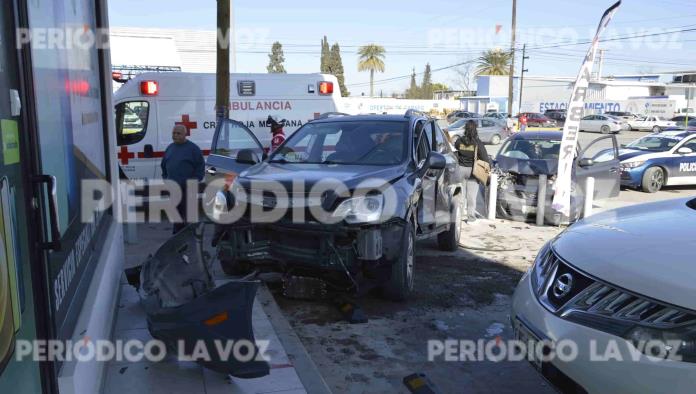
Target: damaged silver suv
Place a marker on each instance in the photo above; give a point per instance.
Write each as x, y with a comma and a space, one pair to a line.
341, 202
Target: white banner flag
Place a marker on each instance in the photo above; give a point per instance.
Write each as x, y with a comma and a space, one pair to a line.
571, 128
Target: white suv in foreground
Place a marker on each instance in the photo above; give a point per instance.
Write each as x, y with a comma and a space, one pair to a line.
611, 302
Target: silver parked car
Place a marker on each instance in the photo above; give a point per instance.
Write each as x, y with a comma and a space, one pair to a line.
490, 130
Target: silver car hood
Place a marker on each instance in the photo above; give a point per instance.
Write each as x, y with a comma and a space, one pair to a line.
649, 249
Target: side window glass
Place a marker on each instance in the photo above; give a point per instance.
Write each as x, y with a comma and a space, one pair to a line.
232, 138
441, 144
429, 133
691, 145
131, 121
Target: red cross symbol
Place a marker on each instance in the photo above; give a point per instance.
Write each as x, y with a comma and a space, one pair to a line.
186, 122
124, 155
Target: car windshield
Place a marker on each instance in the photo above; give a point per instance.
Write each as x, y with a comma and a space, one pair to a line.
458, 124
351, 142
532, 149
654, 143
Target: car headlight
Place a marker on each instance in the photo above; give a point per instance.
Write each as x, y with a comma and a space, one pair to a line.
632, 164
360, 209
676, 344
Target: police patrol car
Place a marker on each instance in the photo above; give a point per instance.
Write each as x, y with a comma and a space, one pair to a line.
657, 160
150, 104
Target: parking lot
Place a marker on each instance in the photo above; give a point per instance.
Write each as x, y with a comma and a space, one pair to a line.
461, 295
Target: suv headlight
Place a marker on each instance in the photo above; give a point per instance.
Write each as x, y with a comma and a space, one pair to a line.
633, 164
360, 209
542, 267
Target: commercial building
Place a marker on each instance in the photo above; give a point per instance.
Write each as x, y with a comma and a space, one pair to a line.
657, 94
59, 266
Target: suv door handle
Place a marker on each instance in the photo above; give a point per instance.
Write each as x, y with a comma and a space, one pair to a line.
50, 181
614, 169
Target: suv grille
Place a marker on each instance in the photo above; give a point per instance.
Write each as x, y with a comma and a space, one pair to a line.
588, 300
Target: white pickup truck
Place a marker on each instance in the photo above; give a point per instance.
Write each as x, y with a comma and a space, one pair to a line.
650, 123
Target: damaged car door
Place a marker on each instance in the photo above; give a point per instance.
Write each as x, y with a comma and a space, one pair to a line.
234, 149
428, 178
600, 160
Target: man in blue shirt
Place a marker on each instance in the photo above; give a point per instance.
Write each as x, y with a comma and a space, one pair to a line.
183, 160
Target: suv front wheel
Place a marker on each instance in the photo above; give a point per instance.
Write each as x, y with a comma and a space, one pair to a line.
400, 284
449, 240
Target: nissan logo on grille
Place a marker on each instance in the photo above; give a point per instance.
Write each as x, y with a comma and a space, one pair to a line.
563, 285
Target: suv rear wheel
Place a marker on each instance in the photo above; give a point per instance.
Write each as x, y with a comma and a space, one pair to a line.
400, 284
449, 240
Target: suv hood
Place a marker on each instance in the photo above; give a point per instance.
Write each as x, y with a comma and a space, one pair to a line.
349, 175
647, 248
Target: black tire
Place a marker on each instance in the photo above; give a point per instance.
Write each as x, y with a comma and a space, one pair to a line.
605, 129
653, 180
448, 241
657, 129
234, 268
400, 284
495, 140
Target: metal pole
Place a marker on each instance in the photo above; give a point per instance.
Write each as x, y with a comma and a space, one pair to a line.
492, 196
589, 197
601, 64
512, 53
222, 100
524, 57
541, 200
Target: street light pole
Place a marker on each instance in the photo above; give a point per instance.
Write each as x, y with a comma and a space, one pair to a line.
512, 53
524, 70
224, 40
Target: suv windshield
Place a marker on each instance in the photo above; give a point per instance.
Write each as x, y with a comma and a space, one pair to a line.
655, 144
350, 142
532, 149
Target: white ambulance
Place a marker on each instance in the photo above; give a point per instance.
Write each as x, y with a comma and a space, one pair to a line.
150, 104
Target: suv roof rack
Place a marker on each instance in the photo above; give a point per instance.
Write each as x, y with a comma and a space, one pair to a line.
327, 115
415, 112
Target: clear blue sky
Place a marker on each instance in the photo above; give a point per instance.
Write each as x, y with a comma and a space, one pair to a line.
441, 32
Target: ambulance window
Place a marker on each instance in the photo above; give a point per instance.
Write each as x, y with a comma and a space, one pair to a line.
131, 121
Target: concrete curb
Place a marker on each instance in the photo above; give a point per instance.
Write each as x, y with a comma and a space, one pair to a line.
304, 366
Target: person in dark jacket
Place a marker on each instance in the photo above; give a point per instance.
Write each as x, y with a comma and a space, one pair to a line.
183, 160
468, 145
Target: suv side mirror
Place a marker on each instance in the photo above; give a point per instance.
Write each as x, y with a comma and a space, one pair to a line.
684, 150
247, 156
435, 161
586, 162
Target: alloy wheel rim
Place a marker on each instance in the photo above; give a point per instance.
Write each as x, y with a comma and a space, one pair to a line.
657, 179
409, 261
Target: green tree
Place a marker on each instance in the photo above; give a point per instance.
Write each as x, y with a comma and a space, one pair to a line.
336, 68
494, 62
325, 56
426, 88
371, 59
437, 86
412, 92
276, 59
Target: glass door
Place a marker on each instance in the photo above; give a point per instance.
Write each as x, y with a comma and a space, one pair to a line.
17, 314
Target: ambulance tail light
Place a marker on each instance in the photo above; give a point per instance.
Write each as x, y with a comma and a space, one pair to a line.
149, 88
326, 88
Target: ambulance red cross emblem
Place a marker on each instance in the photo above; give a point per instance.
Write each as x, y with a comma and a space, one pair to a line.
124, 155
186, 122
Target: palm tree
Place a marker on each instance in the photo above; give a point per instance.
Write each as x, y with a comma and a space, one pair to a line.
372, 59
494, 62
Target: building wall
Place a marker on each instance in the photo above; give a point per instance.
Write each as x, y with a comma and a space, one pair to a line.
193, 50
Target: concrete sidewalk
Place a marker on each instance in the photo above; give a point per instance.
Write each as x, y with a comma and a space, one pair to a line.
292, 371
